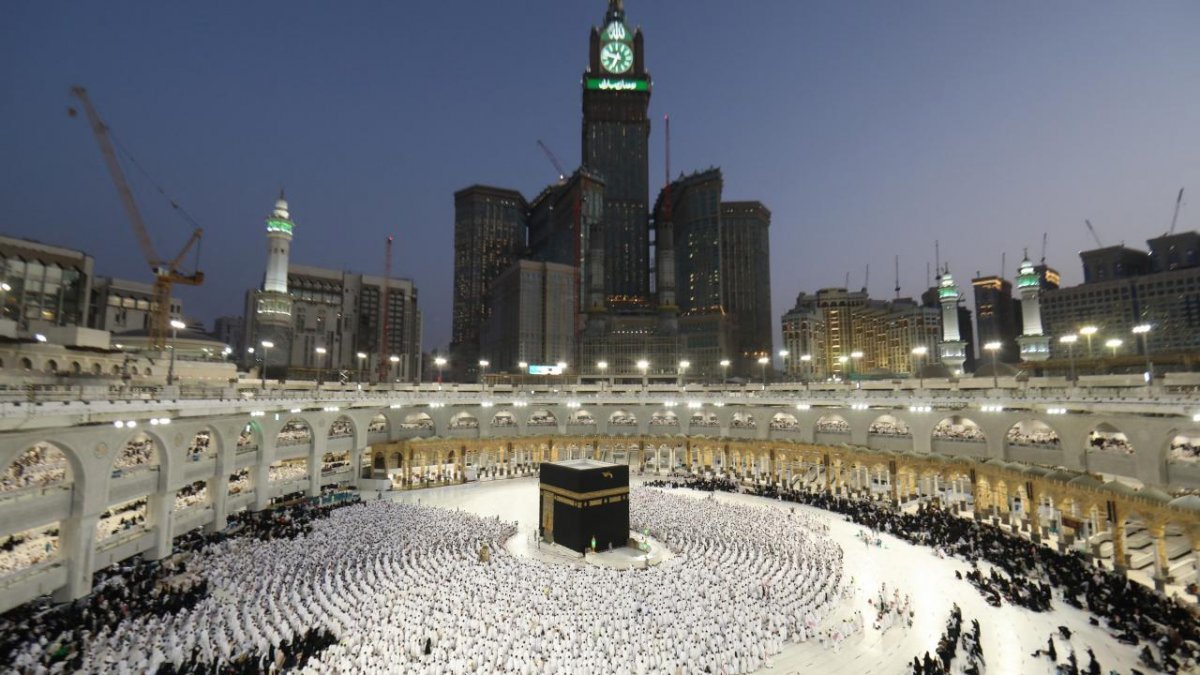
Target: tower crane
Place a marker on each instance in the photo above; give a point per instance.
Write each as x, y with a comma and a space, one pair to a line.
1093, 231
562, 174
1175, 218
166, 271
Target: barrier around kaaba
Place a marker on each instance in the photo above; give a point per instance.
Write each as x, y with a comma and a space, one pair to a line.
584, 500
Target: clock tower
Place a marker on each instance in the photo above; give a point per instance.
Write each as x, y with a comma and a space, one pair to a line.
616, 135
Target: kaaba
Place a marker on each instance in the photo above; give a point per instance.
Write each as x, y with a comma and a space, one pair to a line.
582, 500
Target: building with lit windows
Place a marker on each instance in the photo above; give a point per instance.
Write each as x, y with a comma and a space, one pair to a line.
120, 305
44, 284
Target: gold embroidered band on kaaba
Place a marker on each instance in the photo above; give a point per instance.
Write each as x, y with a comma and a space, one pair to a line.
586, 498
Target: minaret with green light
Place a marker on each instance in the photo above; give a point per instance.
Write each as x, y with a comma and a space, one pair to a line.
273, 305
1035, 346
952, 350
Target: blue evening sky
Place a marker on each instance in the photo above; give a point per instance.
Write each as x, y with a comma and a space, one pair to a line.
868, 128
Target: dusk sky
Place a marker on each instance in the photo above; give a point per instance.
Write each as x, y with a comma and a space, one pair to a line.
868, 129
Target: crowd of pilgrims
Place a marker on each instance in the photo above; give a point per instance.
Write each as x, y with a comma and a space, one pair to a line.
947, 649
1185, 449
1038, 437
704, 420
39, 466
74, 637
882, 427
784, 423
1107, 442
740, 421
294, 432
341, 428
697, 482
958, 432
1134, 614
833, 425
373, 596
659, 420
464, 422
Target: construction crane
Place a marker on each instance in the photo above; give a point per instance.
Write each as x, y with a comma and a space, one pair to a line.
1093, 231
1175, 218
384, 358
562, 174
1044, 248
166, 272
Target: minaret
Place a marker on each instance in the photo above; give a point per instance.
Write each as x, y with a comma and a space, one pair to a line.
952, 350
1034, 345
279, 246
273, 305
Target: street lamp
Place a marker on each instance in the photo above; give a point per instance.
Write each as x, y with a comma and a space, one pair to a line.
683, 366
783, 354
321, 351
395, 360
175, 326
1141, 331
994, 347
266, 345
483, 366
562, 371
440, 362
602, 366
1088, 332
806, 359
643, 365
919, 355
1069, 341
762, 364
843, 360
1114, 344
362, 359
854, 357
724, 371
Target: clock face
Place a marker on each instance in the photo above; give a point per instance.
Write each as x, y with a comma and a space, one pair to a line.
616, 57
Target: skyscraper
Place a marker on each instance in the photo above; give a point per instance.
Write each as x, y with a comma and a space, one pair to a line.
746, 279
489, 236
996, 315
616, 135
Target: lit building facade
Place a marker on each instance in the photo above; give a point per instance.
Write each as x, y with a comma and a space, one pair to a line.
44, 284
746, 279
120, 305
996, 315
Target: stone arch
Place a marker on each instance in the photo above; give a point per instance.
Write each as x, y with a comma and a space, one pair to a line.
784, 421
41, 465
582, 418
541, 418
464, 420
76, 368
743, 420
96, 369
958, 428
26, 364
831, 424
342, 427
1106, 438
504, 418
204, 444
704, 418
1033, 433
379, 424
141, 449
622, 418
417, 420
115, 370
147, 372
133, 370
1183, 445
294, 432
52, 367
250, 437
889, 425
664, 418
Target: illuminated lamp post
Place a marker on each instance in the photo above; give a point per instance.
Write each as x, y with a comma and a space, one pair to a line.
783, 354
440, 362
762, 364
362, 358
919, 356
724, 372
175, 326
483, 366
562, 372
1069, 341
321, 352
395, 360
843, 360
266, 345
683, 366
854, 357
1088, 332
643, 365
602, 366
806, 359
1141, 331
994, 347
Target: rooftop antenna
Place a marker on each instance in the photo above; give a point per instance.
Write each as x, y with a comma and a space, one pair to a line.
1093, 231
928, 279
897, 277
1174, 218
867, 278
847, 281
1044, 248
937, 256
1003, 262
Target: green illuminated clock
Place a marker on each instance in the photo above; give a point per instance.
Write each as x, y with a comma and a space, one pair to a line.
616, 57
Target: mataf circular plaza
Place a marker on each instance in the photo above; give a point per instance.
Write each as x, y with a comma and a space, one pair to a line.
601, 529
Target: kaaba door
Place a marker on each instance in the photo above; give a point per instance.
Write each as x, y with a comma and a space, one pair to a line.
548, 517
